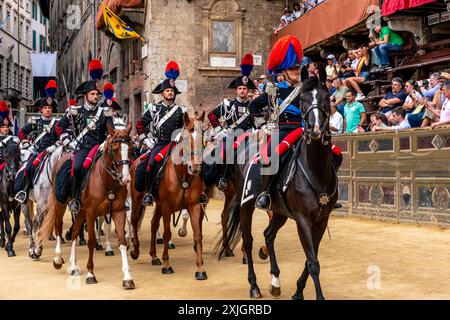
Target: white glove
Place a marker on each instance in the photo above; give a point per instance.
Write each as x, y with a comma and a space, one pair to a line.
51, 149
268, 128
149, 143
222, 134
74, 145
65, 139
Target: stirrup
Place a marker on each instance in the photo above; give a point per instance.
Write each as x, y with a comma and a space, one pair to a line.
21, 197
204, 199
263, 206
74, 206
222, 184
148, 200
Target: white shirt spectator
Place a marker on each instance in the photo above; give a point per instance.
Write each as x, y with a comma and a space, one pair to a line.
408, 99
296, 14
402, 125
337, 121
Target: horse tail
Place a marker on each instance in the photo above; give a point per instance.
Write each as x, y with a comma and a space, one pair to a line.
48, 224
233, 230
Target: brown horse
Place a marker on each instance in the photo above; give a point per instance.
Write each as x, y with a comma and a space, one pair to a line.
180, 188
105, 193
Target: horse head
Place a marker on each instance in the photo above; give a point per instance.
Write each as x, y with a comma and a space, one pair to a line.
315, 105
11, 155
192, 139
117, 152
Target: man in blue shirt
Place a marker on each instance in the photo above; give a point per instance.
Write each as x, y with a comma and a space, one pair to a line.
393, 99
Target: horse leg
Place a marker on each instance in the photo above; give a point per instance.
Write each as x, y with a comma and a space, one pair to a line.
108, 251
224, 218
135, 217
98, 226
166, 215
246, 217
2, 228
154, 229
16, 228
92, 243
304, 229
73, 269
128, 228
29, 228
264, 251
119, 221
82, 241
59, 215
182, 232
270, 234
196, 223
8, 248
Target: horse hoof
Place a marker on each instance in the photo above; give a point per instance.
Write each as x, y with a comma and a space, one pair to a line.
167, 270
57, 266
159, 241
99, 247
68, 236
75, 273
134, 255
201, 275
156, 262
171, 245
11, 253
2, 243
82, 242
91, 280
51, 238
34, 257
128, 284
182, 233
274, 291
255, 293
229, 253
244, 260
262, 254
62, 240
109, 253
297, 296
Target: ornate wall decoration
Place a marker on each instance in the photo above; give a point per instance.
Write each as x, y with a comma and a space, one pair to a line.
440, 198
376, 195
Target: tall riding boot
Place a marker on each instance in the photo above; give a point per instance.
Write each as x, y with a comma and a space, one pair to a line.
74, 205
264, 200
148, 198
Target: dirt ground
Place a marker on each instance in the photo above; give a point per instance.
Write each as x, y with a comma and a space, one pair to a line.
362, 260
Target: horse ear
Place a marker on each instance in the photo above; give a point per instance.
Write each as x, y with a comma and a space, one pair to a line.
110, 127
186, 118
202, 116
322, 73
304, 74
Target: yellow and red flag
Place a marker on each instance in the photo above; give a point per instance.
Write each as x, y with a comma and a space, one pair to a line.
117, 26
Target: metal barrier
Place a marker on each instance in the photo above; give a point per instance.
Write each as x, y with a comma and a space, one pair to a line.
401, 176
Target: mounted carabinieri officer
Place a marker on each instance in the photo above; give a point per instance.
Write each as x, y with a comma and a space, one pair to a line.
38, 131
233, 114
6, 136
88, 124
156, 128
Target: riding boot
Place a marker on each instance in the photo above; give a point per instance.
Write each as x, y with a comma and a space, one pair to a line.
264, 200
148, 198
74, 205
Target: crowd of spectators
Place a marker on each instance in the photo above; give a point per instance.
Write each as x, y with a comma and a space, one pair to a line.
298, 9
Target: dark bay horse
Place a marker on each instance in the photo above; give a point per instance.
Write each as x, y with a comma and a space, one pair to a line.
105, 193
308, 200
11, 156
180, 188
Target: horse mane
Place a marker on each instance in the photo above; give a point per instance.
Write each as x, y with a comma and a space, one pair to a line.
310, 84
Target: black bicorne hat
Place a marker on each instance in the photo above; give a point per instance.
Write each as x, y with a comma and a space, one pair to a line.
87, 86
172, 72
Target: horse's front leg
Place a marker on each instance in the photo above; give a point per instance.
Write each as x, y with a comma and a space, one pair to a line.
154, 229
270, 234
166, 214
196, 223
29, 228
119, 218
2, 228
74, 269
8, 229
16, 229
98, 226
92, 243
108, 250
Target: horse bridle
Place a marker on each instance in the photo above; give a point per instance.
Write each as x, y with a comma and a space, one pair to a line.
114, 172
326, 136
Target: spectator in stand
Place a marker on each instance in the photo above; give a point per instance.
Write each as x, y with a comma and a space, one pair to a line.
393, 99
348, 67
283, 23
373, 37
413, 106
378, 119
262, 83
444, 113
361, 73
389, 42
354, 114
331, 67
433, 108
313, 69
336, 120
434, 86
339, 95
330, 87
296, 12
400, 120
287, 16
306, 5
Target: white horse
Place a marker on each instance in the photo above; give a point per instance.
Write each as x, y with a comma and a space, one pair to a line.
39, 195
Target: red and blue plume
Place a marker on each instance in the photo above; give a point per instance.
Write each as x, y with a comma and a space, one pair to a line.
247, 64
4, 110
172, 70
108, 91
50, 89
286, 53
95, 69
